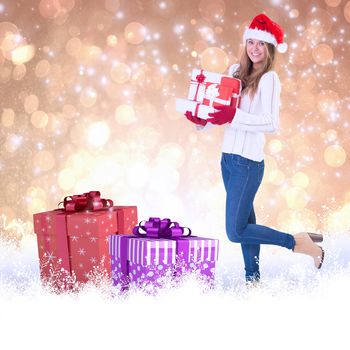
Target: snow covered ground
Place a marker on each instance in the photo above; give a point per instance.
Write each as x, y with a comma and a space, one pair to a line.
296, 307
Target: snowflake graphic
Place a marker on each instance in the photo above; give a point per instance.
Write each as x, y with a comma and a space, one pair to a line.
81, 251
48, 218
87, 220
88, 233
50, 256
93, 260
48, 239
74, 238
93, 239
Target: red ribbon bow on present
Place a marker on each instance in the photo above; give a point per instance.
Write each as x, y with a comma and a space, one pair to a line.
200, 77
86, 201
157, 228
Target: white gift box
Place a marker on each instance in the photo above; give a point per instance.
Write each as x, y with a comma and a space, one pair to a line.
208, 90
183, 105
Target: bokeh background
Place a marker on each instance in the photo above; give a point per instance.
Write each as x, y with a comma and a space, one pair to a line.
88, 94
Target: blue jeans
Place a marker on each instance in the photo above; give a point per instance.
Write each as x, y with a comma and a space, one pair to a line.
242, 178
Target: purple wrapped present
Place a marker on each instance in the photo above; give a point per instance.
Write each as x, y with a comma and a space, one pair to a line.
162, 251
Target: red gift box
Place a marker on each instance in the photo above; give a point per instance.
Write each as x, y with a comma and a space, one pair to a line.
224, 93
74, 243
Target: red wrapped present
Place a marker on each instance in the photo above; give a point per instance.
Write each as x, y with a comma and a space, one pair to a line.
74, 241
208, 90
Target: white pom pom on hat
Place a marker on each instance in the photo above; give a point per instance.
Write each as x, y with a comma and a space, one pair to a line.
264, 29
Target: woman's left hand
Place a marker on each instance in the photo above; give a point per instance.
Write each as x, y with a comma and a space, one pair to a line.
224, 115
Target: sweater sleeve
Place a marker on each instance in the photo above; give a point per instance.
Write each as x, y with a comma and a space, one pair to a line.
268, 120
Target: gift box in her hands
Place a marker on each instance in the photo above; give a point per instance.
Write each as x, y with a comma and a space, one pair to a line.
208, 90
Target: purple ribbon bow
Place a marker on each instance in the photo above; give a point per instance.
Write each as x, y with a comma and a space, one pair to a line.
157, 228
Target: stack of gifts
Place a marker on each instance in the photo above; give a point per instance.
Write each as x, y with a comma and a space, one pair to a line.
208, 90
73, 241
162, 250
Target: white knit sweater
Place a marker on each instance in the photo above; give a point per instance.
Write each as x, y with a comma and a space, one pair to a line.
245, 135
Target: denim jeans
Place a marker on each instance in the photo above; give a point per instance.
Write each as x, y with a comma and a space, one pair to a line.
242, 178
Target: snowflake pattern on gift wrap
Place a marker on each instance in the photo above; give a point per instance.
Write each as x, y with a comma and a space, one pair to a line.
50, 256
87, 221
74, 238
93, 239
93, 260
81, 251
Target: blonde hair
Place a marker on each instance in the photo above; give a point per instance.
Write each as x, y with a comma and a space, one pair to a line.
250, 78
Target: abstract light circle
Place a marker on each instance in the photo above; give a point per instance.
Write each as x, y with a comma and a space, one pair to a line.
44, 160
332, 3
39, 119
98, 134
214, 59
294, 13
49, 8
66, 179
31, 104
120, 73
322, 54
275, 146
296, 197
112, 40
334, 156
22, 54
135, 33
276, 177
213, 10
7, 117
327, 101
42, 69
300, 179
331, 135
125, 115
73, 46
19, 72
112, 5
88, 97
347, 11
171, 153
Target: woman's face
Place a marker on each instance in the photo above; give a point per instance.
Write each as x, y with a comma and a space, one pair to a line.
256, 50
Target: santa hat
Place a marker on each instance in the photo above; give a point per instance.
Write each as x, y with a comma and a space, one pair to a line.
264, 29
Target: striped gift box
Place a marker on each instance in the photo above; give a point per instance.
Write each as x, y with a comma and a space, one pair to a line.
143, 251
144, 259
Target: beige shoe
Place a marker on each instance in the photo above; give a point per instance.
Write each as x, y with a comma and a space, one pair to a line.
305, 245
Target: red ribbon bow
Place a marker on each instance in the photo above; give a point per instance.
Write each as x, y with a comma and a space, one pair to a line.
86, 201
200, 77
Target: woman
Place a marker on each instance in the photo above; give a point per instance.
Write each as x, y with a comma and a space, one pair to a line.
242, 162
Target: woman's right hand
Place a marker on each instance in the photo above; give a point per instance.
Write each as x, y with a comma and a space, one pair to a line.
192, 118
